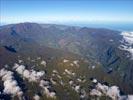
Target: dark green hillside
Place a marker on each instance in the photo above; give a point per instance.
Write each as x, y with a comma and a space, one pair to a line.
32, 55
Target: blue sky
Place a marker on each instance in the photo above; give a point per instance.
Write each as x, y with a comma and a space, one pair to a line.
66, 11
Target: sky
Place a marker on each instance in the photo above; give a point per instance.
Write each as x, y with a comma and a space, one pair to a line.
66, 11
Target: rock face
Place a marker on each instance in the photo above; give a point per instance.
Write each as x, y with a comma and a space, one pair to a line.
98, 45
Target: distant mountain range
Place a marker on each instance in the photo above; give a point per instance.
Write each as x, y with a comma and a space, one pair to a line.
109, 52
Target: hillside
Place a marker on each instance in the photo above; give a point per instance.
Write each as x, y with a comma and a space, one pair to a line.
71, 61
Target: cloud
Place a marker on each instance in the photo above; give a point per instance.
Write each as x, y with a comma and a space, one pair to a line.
43, 63
19, 68
113, 92
95, 92
128, 37
69, 72
103, 90
31, 75
45, 85
10, 85
94, 80
65, 60
35, 76
77, 88
36, 97
76, 63
101, 87
127, 42
130, 97
48, 93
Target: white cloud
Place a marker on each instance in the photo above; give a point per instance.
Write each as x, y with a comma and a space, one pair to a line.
36, 97
130, 97
10, 85
45, 85
20, 69
113, 92
127, 42
126, 97
128, 36
31, 75
76, 63
65, 60
94, 81
95, 92
35, 76
48, 93
69, 72
77, 88
100, 89
26, 74
43, 63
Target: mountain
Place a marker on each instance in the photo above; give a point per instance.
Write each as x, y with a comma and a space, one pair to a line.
71, 57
